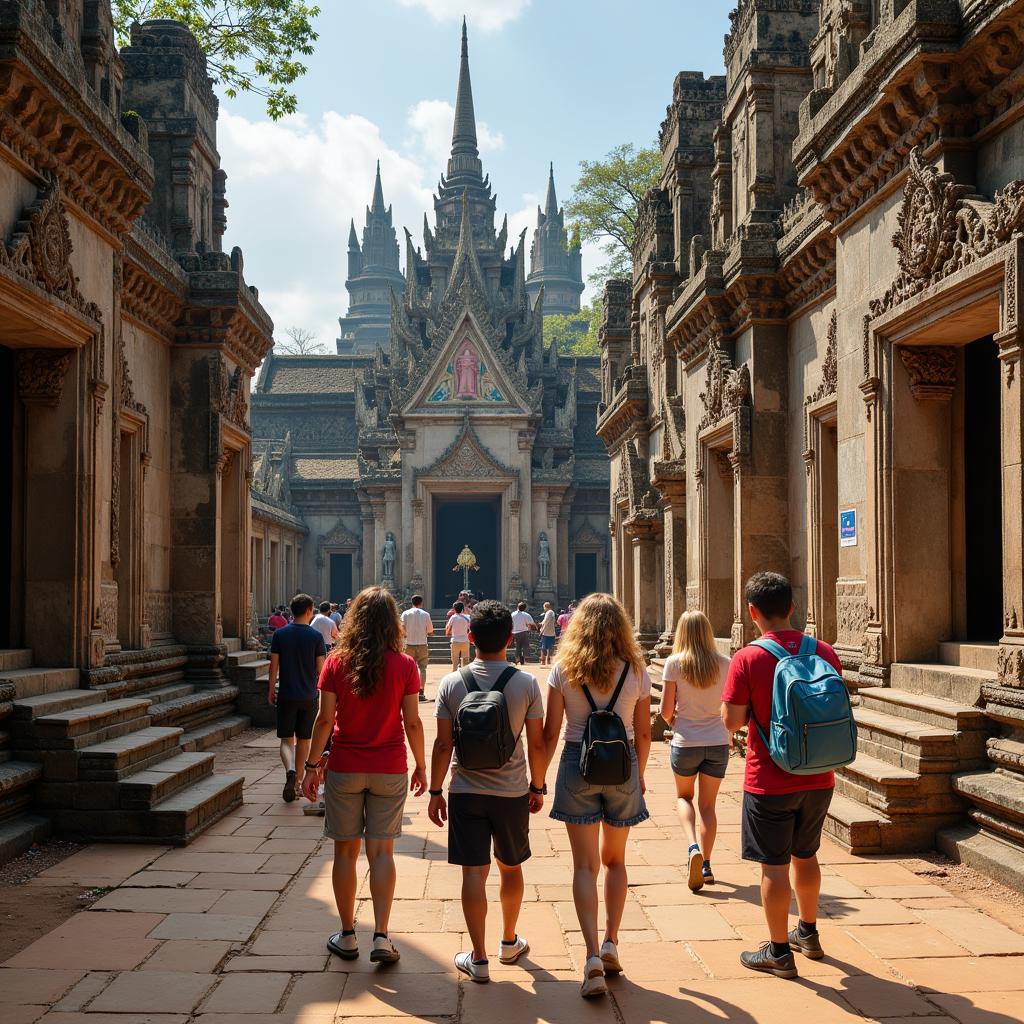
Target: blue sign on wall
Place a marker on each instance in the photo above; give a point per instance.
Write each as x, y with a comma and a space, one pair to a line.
848, 528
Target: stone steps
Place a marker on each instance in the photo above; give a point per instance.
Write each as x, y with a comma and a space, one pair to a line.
237, 658
145, 789
973, 656
163, 694
15, 657
30, 682
995, 790
253, 670
854, 826
233, 644
86, 726
114, 758
16, 781
28, 709
923, 708
20, 833
206, 736
951, 682
194, 708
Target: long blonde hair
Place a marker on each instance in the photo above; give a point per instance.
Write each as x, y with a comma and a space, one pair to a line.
598, 638
694, 643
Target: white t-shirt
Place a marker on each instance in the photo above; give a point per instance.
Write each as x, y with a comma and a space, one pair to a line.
547, 625
459, 625
415, 622
521, 621
577, 708
325, 626
698, 721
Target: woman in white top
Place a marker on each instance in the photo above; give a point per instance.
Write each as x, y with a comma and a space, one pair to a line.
599, 651
693, 678
547, 634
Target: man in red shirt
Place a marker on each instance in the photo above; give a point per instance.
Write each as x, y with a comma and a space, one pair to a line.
782, 813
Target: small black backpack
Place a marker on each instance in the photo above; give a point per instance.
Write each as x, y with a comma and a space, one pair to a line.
484, 739
605, 757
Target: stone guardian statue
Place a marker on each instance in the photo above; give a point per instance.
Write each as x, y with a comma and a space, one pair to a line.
544, 557
389, 556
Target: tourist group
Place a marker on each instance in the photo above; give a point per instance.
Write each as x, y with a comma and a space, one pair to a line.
497, 737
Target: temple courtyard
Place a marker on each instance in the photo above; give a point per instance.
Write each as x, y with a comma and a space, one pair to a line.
232, 929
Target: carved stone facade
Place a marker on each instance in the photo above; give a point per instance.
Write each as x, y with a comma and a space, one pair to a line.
851, 411
461, 426
128, 341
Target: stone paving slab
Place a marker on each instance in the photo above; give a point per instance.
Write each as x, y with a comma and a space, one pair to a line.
232, 928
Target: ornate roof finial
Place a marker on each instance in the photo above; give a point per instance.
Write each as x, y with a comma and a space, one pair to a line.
377, 206
353, 238
464, 130
551, 203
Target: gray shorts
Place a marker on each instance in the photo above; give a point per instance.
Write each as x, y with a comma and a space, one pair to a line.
577, 802
688, 761
364, 805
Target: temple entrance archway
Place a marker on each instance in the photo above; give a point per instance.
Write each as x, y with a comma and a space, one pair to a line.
476, 521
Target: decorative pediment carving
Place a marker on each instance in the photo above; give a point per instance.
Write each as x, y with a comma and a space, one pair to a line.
467, 458
227, 394
932, 371
40, 251
829, 368
340, 536
40, 373
726, 388
587, 537
942, 231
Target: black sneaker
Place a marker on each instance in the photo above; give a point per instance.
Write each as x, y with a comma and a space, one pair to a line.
809, 945
288, 793
762, 960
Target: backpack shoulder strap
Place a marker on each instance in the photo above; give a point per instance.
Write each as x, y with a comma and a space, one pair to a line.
502, 680
773, 648
618, 688
587, 694
808, 646
469, 679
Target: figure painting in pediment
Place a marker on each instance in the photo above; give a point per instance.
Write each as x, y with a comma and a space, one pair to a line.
466, 379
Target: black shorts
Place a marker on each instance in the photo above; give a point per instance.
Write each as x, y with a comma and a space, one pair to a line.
295, 718
474, 820
776, 827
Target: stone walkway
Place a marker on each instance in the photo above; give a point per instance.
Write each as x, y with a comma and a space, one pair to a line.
232, 929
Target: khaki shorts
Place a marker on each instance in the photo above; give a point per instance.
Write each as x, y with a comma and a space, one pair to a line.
362, 805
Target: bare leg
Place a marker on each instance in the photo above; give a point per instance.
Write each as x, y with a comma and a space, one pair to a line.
381, 855
807, 882
707, 799
343, 875
586, 863
616, 884
512, 887
288, 753
474, 907
301, 753
775, 897
684, 805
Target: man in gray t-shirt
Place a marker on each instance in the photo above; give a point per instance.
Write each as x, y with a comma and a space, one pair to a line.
492, 805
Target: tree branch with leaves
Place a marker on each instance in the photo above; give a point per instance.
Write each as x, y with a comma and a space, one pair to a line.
250, 45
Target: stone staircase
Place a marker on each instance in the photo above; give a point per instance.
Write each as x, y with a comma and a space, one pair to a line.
126, 757
249, 671
914, 737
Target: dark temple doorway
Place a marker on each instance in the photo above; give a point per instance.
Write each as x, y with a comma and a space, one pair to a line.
341, 577
8, 516
585, 578
983, 505
458, 522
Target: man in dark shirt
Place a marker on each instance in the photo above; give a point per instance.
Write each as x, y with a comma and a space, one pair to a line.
297, 654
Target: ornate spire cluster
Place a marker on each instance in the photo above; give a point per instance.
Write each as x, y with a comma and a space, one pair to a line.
556, 265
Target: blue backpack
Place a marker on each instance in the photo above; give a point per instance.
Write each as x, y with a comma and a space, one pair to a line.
812, 725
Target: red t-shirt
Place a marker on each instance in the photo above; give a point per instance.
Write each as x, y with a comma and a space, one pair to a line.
751, 673
368, 733
277, 621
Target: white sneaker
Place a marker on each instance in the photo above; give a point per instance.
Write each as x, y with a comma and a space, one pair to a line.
593, 979
510, 952
384, 951
610, 957
696, 878
477, 970
345, 946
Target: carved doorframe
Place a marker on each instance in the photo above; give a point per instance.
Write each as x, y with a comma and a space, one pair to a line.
340, 540
820, 417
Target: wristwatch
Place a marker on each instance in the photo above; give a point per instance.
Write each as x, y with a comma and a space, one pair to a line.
543, 791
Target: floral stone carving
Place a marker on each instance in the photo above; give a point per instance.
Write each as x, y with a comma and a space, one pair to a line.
41, 373
932, 371
726, 389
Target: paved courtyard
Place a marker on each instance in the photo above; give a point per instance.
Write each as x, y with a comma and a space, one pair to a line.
232, 929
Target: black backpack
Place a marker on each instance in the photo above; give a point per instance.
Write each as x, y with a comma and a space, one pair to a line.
605, 757
484, 739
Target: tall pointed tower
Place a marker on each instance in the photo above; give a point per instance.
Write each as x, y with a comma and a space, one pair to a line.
555, 264
372, 272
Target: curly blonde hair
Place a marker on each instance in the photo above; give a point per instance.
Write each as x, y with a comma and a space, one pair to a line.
371, 627
598, 638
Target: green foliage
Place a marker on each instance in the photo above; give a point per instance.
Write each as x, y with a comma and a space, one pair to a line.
604, 204
575, 334
250, 45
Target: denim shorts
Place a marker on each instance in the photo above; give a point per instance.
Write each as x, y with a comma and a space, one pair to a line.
688, 761
577, 802
547, 643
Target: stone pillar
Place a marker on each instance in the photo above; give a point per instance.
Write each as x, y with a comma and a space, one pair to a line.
562, 549
369, 570
419, 546
644, 531
674, 513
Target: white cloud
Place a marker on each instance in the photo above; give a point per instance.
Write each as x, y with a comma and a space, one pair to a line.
487, 14
430, 122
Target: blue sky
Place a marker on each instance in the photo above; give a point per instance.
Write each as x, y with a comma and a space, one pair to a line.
561, 80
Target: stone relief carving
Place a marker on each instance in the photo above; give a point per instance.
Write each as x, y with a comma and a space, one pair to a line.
388, 556
829, 368
227, 394
467, 458
932, 371
587, 536
942, 231
852, 612
543, 556
726, 388
40, 374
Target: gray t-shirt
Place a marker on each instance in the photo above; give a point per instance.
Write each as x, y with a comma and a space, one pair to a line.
522, 694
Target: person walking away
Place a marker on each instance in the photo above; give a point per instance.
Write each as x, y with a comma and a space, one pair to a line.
417, 628
547, 634
491, 795
522, 626
691, 701
783, 813
600, 669
335, 614
297, 653
277, 619
325, 625
563, 621
457, 629
368, 698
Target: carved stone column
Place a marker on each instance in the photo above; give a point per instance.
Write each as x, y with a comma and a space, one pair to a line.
562, 552
644, 531
673, 504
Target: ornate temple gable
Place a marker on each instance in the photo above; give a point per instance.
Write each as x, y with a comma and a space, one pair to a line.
942, 231
467, 458
726, 389
587, 537
829, 368
39, 251
340, 536
227, 394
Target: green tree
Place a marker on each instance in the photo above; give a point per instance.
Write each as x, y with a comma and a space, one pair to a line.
250, 45
605, 200
575, 334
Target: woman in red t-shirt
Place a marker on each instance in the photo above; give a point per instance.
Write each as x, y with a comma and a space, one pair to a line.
369, 698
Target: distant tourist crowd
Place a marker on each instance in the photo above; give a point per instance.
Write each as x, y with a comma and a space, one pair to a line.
349, 687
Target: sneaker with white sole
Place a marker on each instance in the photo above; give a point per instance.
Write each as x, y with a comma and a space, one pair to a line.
696, 875
345, 946
593, 979
610, 957
476, 970
510, 952
384, 951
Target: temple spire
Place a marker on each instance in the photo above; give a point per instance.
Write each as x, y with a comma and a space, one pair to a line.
377, 206
464, 130
551, 203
